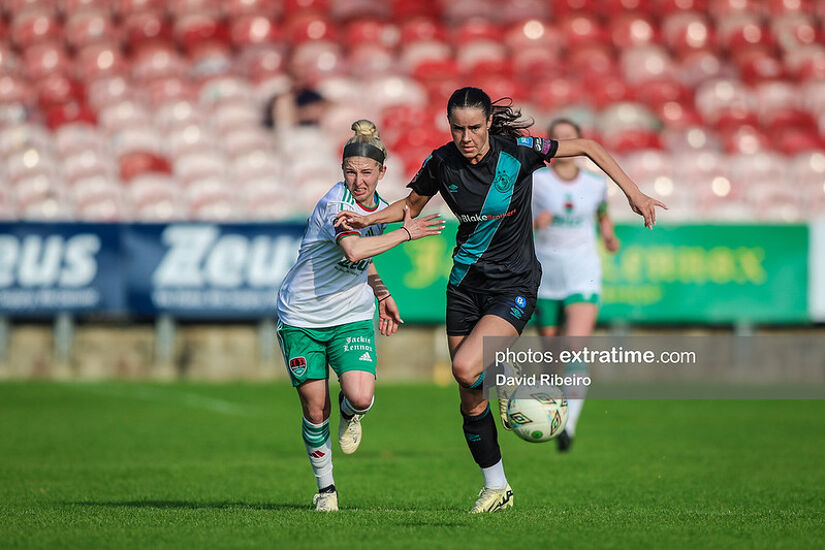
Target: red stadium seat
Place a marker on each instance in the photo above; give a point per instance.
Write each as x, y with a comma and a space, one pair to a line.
136, 163
58, 89
422, 29
195, 29
725, 9
745, 139
209, 60
512, 11
106, 91
757, 66
646, 63
690, 138
806, 63
371, 59
68, 113
628, 30
308, 27
68, 7
476, 29
794, 30
348, 10
124, 115
34, 26
146, 29
424, 52
564, 8
741, 31
254, 29
268, 8
371, 31
183, 8
581, 30
796, 140
125, 8
473, 53
701, 66
99, 60
593, 63
85, 165
260, 62
555, 94
611, 89
14, 91
74, 139
781, 7
88, 27
45, 59
157, 61
534, 33
687, 31
318, 59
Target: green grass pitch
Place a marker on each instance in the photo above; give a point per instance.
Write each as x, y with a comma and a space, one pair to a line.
122, 465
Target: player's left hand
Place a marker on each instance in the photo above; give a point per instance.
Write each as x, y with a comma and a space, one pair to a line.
388, 316
611, 243
645, 206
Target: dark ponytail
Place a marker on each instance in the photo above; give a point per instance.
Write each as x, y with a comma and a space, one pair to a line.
507, 121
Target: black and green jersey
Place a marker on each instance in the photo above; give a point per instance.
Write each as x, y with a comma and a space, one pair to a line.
492, 201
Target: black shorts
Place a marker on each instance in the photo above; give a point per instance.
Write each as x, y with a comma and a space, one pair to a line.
465, 308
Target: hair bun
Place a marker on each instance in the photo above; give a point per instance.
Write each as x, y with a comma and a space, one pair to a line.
365, 128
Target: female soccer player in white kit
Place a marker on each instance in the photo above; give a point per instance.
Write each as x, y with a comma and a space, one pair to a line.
567, 203
326, 305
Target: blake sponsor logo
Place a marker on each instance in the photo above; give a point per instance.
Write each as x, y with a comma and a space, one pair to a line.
469, 218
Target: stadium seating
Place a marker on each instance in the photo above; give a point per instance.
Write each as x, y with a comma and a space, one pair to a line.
148, 109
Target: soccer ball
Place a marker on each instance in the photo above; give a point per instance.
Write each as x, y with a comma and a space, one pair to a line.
537, 414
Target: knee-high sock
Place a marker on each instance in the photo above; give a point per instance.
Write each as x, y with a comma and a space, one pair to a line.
319, 451
348, 410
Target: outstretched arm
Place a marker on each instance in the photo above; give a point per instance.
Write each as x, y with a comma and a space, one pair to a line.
640, 203
357, 248
393, 213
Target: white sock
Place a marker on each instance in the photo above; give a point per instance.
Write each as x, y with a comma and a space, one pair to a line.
574, 409
349, 410
319, 451
494, 477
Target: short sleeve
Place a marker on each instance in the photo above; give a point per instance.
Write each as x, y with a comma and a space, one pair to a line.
324, 219
425, 182
544, 148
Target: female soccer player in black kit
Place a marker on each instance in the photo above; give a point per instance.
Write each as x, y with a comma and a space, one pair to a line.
485, 177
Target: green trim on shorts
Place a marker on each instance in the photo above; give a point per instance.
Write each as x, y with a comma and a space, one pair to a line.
550, 313
309, 352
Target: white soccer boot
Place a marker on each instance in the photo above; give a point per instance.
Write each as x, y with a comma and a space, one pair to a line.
326, 502
493, 500
349, 431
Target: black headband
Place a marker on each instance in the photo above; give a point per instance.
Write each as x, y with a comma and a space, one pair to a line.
361, 149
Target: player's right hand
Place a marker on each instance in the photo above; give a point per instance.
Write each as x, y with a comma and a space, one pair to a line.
422, 227
349, 220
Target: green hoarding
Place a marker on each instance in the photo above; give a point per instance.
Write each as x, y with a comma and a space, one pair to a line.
685, 273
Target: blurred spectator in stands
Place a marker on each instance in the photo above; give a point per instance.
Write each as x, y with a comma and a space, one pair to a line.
302, 107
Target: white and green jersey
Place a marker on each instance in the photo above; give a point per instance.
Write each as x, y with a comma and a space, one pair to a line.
566, 248
323, 288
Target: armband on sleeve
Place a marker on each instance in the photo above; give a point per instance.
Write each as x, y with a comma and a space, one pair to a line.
544, 147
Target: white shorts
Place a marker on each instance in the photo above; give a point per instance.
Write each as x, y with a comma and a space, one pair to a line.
568, 273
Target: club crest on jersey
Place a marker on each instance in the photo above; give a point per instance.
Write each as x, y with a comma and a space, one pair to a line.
503, 183
298, 366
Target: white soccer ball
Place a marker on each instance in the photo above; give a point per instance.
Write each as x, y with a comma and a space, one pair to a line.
537, 414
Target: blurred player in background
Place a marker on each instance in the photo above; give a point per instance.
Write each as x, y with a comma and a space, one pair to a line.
567, 203
485, 176
326, 306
